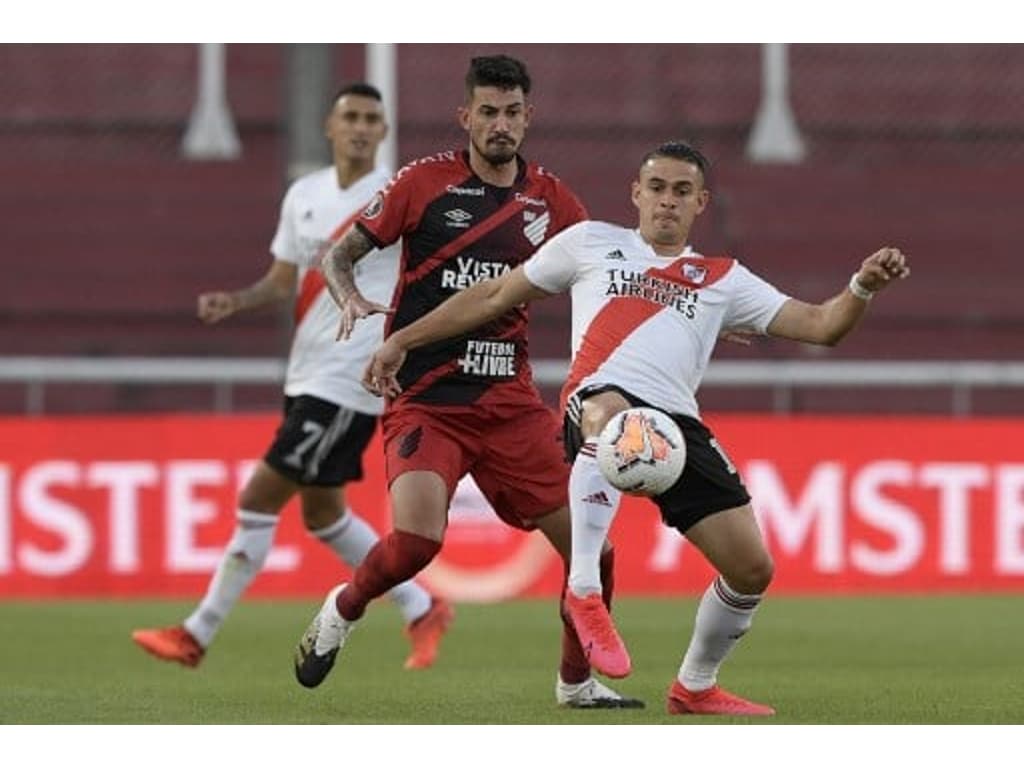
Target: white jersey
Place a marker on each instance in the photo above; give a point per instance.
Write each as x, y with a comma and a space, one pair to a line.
645, 322
313, 209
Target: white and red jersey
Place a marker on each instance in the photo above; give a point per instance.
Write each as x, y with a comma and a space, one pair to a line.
314, 209
645, 322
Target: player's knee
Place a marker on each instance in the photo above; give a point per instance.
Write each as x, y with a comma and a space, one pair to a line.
760, 574
753, 577
317, 516
254, 500
598, 409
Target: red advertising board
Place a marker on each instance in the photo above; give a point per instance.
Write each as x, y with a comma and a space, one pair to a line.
142, 506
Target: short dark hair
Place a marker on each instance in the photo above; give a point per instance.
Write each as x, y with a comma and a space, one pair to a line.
681, 150
357, 89
497, 71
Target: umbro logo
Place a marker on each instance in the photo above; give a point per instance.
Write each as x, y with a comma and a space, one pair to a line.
598, 497
615, 255
458, 218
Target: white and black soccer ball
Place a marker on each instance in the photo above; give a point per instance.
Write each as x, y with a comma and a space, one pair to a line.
641, 451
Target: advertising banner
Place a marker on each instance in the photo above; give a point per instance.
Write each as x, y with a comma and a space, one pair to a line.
143, 506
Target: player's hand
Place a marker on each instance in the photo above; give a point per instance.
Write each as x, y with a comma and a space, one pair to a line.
882, 268
381, 374
214, 306
357, 307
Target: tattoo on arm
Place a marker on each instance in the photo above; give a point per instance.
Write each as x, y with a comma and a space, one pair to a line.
337, 264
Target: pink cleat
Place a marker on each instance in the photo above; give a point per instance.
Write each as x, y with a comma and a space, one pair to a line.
426, 632
713, 701
170, 644
601, 642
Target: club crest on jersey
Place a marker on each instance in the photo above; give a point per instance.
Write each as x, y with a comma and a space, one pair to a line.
536, 227
372, 211
694, 273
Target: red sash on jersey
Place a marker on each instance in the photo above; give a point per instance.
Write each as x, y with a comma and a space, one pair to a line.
617, 319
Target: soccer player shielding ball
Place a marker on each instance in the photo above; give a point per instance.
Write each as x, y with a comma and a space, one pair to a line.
647, 312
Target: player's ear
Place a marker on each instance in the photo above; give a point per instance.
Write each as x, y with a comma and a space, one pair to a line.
703, 198
463, 116
528, 115
635, 193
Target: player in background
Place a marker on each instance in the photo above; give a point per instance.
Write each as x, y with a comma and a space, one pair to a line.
647, 310
470, 405
328, 417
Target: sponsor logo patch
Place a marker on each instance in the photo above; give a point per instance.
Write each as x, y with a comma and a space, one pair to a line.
375, 206
471, 191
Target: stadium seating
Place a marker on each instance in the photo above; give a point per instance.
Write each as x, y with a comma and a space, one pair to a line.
108, 234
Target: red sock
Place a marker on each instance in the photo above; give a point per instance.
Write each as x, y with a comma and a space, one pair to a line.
396, 558
574, 667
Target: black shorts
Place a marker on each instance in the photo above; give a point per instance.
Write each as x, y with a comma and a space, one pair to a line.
320, 443
709, 483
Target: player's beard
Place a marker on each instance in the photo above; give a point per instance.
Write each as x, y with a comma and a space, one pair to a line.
497, 154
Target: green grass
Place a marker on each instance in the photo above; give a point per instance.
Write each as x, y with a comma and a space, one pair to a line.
823, 660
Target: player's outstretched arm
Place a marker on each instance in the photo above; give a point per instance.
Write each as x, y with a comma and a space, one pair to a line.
829, 322
466, 310
278, 284
337, 266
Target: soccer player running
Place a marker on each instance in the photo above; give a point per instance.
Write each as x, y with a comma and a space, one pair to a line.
647, 311
469, 403
328, 417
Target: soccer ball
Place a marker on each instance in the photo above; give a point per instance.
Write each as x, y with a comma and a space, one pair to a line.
641, 451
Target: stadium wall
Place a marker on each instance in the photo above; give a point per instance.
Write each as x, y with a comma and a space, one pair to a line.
141, 507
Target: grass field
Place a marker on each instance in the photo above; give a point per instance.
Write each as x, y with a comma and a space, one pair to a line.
841, 660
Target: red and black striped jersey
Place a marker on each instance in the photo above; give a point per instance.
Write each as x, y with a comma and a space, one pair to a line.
457, 230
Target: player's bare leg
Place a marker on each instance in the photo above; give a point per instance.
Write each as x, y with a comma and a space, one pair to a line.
732, 543
259, 503
593, 503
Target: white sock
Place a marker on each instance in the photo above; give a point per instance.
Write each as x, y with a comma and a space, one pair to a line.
351, 538
593, 502
723, 617
242, 559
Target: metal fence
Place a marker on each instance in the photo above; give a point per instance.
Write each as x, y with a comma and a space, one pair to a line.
958, 380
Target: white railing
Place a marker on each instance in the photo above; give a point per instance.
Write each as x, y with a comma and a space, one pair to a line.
782, 377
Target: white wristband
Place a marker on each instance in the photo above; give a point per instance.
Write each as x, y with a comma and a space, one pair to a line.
859, 290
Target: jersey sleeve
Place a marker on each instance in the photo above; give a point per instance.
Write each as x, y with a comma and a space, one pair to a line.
754, 302
554, 266
388, 215
568, 208
285, 245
